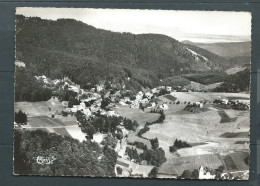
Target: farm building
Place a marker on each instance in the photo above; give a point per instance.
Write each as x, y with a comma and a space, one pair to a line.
203, 174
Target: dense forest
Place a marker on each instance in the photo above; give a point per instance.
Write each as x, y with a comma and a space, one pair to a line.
27, 88
85, 54
236, 82
71, 157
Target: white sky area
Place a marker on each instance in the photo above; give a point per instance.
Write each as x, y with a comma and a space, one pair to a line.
195, 26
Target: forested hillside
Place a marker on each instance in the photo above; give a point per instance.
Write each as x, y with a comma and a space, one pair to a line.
85, 54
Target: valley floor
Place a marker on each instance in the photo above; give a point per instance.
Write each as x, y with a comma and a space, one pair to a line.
211, 137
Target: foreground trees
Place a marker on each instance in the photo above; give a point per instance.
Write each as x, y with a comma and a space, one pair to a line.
70, 157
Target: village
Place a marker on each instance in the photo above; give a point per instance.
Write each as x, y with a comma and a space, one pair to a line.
145, 108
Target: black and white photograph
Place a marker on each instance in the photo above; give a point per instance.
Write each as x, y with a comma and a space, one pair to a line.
140, 93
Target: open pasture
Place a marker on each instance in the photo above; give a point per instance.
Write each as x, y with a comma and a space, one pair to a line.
200, 127
38, 108
45, 121
209, 96
136, 114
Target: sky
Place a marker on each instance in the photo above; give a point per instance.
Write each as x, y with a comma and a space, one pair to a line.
195, 26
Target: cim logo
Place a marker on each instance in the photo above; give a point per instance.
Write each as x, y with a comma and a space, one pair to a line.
45, 160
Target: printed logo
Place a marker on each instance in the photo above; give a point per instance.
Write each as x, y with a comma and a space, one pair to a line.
45, 160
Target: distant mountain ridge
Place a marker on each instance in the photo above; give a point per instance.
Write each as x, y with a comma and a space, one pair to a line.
227, 50
82, 52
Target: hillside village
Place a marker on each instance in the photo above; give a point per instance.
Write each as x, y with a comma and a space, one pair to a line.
100, 101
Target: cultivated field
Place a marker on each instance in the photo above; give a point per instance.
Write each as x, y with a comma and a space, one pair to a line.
39, 118
213, 130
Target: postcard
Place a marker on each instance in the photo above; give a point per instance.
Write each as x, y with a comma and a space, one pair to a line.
132, 93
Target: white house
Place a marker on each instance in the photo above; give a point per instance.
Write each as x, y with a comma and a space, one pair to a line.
99, 88
169, 89
224, 101
154, 90
164, 106
74, 108
98, 137
87, 112
139, 95
204, 174
149, 95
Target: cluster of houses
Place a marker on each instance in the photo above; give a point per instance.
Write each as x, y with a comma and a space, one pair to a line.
241, 104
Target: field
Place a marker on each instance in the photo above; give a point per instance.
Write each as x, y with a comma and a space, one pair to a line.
205, 130
46, 108
178, 165
170, 97
39, 118
225, 118
215, 132
136, 114
236, 161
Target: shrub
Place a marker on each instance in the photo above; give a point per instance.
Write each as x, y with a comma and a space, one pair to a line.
119, 170
20, 117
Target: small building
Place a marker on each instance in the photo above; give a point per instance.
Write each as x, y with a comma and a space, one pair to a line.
99, 88
154, 90
87, 112
139, 95
149, 95
98, 137
164, 106
224, 101
203, 174
169, 89
74, 88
